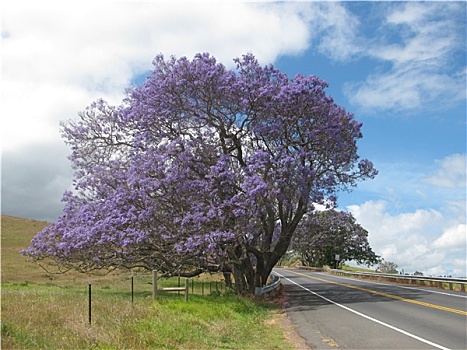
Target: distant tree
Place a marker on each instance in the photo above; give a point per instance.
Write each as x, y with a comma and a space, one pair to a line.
324, 234
418, 273
202, 168
387, 267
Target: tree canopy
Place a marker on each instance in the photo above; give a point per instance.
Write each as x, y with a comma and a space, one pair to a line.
323, 235
201, 168
387, 267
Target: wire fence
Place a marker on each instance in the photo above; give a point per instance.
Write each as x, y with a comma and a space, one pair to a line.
141, 285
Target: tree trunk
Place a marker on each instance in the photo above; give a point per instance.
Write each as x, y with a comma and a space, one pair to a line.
250, 276
244, 279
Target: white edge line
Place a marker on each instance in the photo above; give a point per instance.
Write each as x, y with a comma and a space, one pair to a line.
368, 317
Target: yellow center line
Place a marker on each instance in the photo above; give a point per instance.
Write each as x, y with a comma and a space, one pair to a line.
434, 306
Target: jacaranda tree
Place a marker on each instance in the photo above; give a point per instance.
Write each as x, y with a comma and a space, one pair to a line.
324, 234
201, 168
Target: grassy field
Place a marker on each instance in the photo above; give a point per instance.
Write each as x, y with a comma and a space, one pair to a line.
47, 311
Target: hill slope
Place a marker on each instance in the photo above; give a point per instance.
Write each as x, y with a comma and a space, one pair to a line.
16, 234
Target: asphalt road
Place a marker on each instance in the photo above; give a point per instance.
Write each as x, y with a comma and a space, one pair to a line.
332, 312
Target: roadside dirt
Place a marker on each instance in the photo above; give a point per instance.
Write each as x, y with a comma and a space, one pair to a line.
289, 331
284, 321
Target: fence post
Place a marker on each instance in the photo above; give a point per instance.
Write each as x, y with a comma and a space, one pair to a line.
154, 284
186, 289
89, 304
132, 288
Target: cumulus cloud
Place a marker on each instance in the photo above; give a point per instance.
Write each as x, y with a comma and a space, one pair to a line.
384, 227
453, 238
417, 40
418, 237
451, 172
58, 58
422, 240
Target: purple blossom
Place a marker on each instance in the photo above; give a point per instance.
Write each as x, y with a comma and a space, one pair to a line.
201, 168
323, 234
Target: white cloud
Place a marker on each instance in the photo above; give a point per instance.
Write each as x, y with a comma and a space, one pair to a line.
418, 40
410, 232
86, 50
31, 112
407, 88
453, 238
428, 33
384, 227
451, 172
57, 58
339, 28
423, 240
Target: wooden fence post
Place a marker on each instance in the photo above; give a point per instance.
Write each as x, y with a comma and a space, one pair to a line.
154, 284
186, 289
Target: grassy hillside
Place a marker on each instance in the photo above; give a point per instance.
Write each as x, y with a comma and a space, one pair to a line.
16, 234
45, 311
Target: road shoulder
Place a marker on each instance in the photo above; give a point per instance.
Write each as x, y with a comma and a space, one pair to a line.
315, 339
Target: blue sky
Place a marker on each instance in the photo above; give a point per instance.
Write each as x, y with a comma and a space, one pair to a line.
400, 67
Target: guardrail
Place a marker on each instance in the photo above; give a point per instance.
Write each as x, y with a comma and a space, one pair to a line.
410, 279
276, 281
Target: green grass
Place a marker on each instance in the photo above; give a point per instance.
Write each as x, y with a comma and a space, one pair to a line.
44, 311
